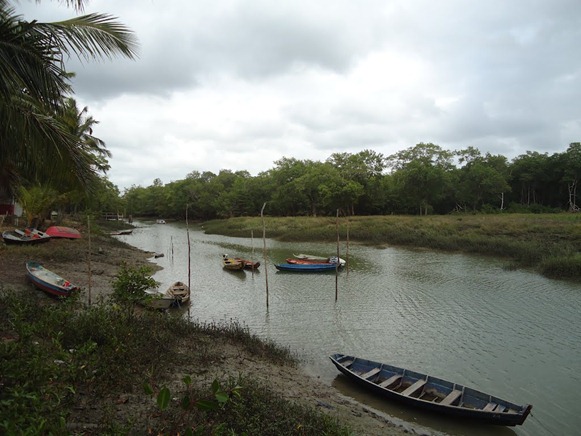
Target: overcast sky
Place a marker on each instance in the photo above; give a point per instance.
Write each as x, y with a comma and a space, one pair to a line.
238, 84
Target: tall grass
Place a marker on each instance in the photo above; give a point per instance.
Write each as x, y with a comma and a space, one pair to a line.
547, 242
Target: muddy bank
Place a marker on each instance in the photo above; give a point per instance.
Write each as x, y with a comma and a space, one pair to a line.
94, 274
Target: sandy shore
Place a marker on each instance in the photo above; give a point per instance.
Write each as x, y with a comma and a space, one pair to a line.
70, 259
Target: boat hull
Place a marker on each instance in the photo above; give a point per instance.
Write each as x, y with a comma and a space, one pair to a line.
430, 393
48, 281
19, 237
318, 267
63, 232
180, 292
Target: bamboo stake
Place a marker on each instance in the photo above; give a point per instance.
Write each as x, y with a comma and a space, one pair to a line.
338, 258
264, 250
89, 258
347, 248
189, 263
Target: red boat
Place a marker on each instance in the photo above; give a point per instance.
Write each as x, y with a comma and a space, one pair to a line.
63, 232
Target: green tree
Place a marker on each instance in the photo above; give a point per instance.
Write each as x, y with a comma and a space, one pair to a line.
33, 87
422, 174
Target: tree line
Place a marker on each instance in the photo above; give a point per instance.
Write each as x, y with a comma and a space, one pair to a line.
423, 179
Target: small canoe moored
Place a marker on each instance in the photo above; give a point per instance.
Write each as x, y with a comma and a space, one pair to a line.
154, 299
308, 267
180, 292
430, 393
232, 264
48, 281
63, 232
248, 264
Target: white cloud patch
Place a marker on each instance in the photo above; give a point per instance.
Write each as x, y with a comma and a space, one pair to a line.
237, 84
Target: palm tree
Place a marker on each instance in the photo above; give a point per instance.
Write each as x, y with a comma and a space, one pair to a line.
33, 88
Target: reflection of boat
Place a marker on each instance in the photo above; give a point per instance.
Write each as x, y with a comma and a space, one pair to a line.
48, 281
24, 237
307, 267
309, 258
63, 232
156, 300
430, 393
180, 292
232, 264
248, 264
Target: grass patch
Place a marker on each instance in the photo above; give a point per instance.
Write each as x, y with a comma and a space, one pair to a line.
546, 242
61, 362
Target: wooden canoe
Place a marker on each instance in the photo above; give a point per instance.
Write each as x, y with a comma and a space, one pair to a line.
232, 264
63, 232
49, 281
308, 258
309, 267
180, 292
154, 299
430, 393
24, 237
248, 264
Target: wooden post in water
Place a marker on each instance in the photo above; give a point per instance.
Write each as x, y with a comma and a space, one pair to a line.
89, 257
264, 250
189, 251
337, 264
347, 248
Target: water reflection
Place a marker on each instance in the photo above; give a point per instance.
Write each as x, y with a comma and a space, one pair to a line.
462, 318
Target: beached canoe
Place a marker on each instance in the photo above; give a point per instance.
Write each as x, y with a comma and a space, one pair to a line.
24, 237
430, 393
63, 232
48, 281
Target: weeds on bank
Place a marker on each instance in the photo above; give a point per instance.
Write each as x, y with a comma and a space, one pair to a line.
59, 357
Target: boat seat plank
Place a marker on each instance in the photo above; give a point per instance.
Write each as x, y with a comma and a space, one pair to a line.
388, 382
347, 363
500, 408
489, 407
414, 388
371, 373
451, 397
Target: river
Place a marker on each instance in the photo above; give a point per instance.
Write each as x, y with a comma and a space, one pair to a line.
512, 333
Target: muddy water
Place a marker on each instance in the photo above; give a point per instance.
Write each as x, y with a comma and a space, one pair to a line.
514, 334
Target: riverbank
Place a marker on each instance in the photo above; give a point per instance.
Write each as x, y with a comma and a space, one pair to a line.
108, 358
546, 243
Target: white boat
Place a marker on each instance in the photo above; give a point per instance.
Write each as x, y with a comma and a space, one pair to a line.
160, 222
156, 300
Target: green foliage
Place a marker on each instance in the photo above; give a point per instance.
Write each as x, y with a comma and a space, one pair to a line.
130, 284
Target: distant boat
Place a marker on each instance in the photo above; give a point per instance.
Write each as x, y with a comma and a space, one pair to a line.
312, 267
232, 264
25, 237
316, 259
154, 299
302, 261
430, 393
160, 222
121, 232
48, 281
63, 232
248, 264
180, 292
